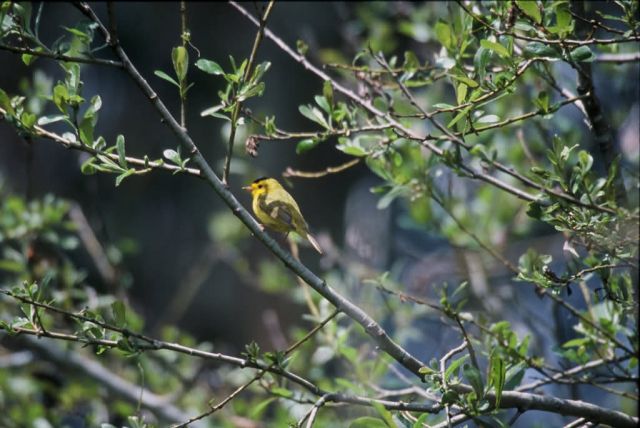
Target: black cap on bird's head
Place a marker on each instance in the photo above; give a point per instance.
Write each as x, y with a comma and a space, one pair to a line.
257, 184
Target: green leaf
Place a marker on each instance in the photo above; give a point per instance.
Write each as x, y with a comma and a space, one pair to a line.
497, 373
489, 118
5, 103
461, 93
459, 116
530, 7
257, 410
118, 311
462, 78
443, 34
514, 376
28, 119
284, 392
209, 66
496, 47
60, 97
96, 105
301, 47
86, 131
306, 145
28, 59
122, 160
124, 175
353, 150
537, 49
385, 415
368, 422
45, 120
165, 76
453, 367
475, 379
582, 54
312, 113
323, 103
420, 422
172, 155
180, 59
327, 92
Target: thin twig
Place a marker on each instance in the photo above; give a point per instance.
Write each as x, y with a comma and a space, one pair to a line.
259, 375
238, 103
61, 57
371, 327
289, 172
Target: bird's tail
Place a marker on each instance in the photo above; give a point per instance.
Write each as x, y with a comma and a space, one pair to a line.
314, 243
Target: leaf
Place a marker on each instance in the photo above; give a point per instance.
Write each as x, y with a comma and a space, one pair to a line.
313, 114
281, 391
60, 96
118, 311
323, 103
461, 94
353, 150
172, 155
530, 7
165, 76
327, 92
385, 414
443, 34
475, 379
306, 145
496, 47
489, 118
86, 131
122, 160
453, 367
368, 422
5, 103
459, 116
470, 82
28, 59
514, 376
582, 54
497, 375
537, 49
180, 59
124, 175
209, 66
28, 119
419, 423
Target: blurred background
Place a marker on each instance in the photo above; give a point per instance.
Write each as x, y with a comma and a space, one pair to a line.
160, 235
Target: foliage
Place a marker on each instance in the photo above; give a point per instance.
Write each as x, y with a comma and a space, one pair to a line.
468, 132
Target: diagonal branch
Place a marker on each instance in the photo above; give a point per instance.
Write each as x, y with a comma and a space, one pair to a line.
371, 327
479, 175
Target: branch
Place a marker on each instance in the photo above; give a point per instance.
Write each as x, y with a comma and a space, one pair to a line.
371, 327
618, 58
289, 172
41, 132
558, 42
247, 73
76, 362
412, 135
523, 400
258, 376
61, 57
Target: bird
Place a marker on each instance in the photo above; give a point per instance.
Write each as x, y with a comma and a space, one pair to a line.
277, 210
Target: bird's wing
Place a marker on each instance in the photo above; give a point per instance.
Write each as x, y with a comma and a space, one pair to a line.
279, 210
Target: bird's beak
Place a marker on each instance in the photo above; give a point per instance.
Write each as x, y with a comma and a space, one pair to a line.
247, 188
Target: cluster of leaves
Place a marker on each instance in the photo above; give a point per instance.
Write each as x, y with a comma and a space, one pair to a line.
490, 62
